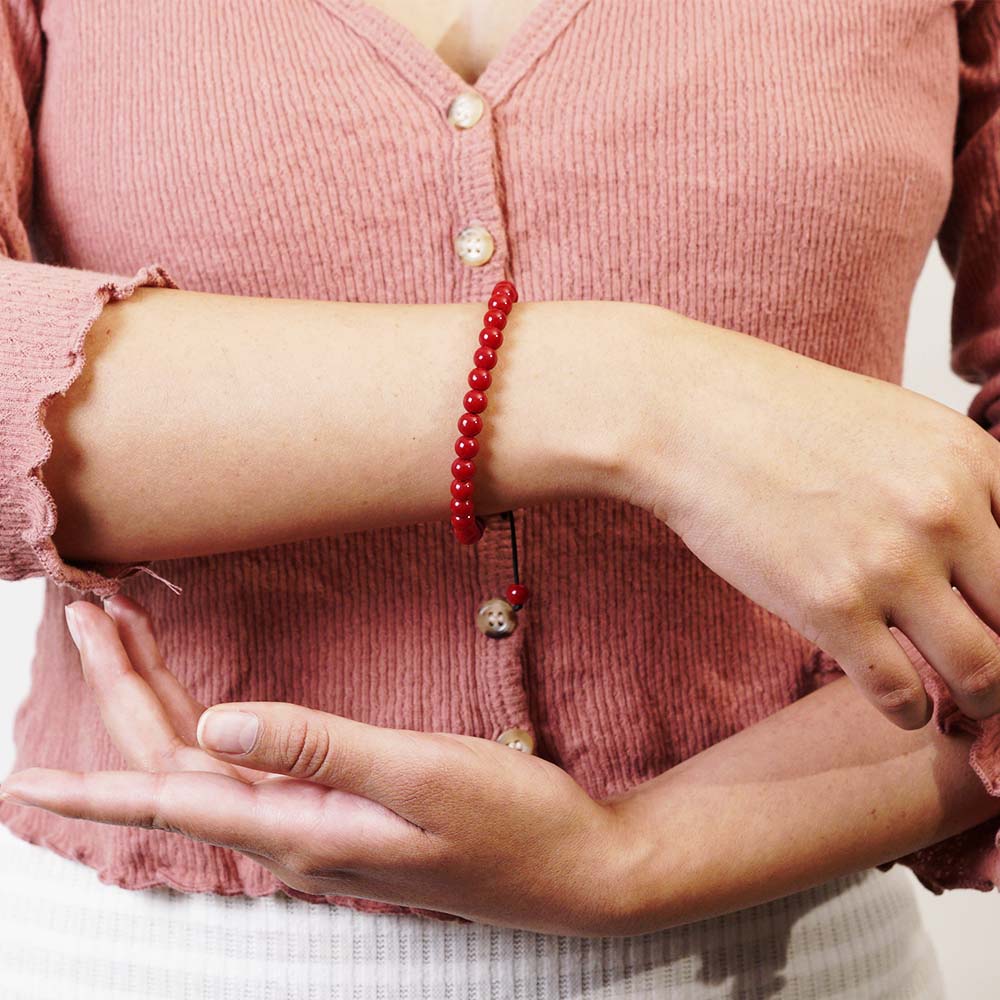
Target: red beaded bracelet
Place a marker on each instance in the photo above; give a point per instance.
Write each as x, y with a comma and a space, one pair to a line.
467, 527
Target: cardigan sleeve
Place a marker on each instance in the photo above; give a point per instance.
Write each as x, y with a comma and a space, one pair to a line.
969, 239
46, 312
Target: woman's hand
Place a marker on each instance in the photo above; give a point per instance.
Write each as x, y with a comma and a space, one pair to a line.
333, 806
841, 503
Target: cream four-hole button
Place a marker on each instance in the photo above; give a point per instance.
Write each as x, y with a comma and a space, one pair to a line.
474, 245
466, 109
518, 739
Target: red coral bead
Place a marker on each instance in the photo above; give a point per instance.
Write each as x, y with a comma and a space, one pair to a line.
466, 447
490, 337
463, 468
480, 378
495, 318
501, 301
463, 524
470, 424
508, 287
462, 489
474, 401
470, 533
516, 593
485, 357
461, 506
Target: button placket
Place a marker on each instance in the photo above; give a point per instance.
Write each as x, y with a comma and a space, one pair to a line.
479, 242
480, 257
500, 661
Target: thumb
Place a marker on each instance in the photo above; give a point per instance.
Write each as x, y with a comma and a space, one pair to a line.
390, 766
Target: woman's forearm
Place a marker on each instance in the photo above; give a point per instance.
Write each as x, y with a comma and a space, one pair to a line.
207, 423
822, 788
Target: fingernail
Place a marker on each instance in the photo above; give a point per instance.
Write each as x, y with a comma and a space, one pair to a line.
228, 731
72, 624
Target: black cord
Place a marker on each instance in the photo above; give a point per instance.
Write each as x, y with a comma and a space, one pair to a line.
509, 514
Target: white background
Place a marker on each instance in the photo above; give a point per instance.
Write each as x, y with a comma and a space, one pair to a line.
964, 924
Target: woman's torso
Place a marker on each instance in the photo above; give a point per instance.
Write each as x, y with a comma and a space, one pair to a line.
778, 168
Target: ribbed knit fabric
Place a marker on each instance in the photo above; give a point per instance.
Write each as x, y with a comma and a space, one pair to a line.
65, 936
775, 167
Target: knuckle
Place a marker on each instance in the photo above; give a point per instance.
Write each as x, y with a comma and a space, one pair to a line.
939, 509
833, 602
897, 699
890, 566
156, 819
982, 683
970, 442
304, 749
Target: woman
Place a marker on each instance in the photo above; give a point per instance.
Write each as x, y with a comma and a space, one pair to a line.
714, 215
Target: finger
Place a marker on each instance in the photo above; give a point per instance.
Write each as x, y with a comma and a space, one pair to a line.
281, 821
135, 719
138, 637
204, 806
952, 639
404, 770
977, 575
46, 789
874, 660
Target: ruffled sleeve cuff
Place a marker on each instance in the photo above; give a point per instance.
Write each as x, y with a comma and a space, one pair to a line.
968, 860
46, 312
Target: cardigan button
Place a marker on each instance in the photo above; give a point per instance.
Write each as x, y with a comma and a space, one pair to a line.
474, 245
465, 110
518, 739
495, 618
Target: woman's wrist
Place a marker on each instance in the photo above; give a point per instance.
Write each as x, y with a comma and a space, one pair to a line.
820, 789
649, 368
563, 419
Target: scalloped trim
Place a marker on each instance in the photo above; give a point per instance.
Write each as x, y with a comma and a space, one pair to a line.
103, 579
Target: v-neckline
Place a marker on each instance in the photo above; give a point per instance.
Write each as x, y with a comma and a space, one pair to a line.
436, 77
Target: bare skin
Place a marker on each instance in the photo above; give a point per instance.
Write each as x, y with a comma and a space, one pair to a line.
334, 806
465, 34
206, 423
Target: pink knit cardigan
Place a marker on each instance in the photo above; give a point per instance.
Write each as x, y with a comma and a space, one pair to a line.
776, 167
